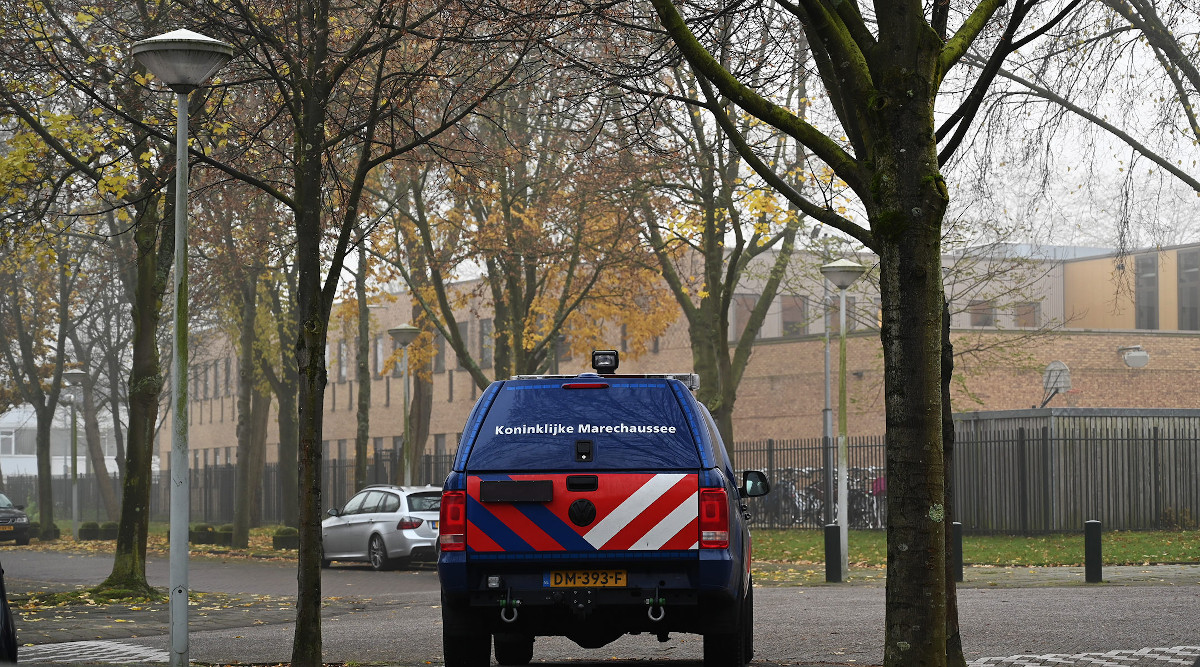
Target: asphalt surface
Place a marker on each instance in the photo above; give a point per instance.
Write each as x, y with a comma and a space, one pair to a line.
243, 612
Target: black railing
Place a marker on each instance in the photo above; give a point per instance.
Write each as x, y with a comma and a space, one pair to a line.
1022, 472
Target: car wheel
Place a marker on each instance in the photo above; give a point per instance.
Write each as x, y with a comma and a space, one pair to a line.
728, 649
748, 627
325, 562
23, 540
514, 649
377, 554
463, 645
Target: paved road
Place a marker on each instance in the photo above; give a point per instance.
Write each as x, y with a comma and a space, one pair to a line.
393, 618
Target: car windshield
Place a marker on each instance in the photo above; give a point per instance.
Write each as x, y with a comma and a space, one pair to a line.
5, 502
425, 502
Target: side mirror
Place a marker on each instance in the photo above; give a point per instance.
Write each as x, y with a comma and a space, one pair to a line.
20, 507
754, 483
333, 511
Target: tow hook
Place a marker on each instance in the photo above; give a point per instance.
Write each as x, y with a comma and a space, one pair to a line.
656, 610
509, 605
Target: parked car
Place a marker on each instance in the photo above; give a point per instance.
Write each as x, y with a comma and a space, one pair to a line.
590, 507
387, 526
14, 523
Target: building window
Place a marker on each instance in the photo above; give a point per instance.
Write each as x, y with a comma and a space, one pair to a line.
654, 344
8, 443
795, 316
216, 376
1189, 290
983, 313
341, 361
1028, 315
485, 343
377, 345
450, 387
439, 444
439, 356
1146, 292
743, 305
226, 376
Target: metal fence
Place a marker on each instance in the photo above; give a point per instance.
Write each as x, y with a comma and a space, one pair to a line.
796, 469
1049, 470
1019, 472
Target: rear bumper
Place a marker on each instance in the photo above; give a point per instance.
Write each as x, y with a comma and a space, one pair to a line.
664, 592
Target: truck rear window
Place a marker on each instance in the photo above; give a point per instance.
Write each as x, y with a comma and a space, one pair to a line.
631, 424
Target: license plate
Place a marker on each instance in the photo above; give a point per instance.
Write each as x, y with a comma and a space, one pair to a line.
6, 527
434, 524
584, 579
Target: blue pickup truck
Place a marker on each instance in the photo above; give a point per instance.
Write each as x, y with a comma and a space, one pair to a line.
590, 507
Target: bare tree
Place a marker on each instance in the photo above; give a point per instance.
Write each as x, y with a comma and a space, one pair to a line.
882, 69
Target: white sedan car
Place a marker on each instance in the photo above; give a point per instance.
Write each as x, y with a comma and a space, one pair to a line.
387, 526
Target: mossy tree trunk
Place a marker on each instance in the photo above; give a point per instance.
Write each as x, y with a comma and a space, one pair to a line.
154, 238
881, 79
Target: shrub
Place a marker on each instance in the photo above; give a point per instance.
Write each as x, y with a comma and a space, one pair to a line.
89, 530
108, 530
286, 537
202, 533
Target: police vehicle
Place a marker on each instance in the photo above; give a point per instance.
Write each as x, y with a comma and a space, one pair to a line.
590, 507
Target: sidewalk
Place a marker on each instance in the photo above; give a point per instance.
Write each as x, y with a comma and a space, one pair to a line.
89, 634
981, 576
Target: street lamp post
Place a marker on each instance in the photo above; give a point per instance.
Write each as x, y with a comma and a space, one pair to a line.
75, 380
827, 458
183, 60
842, 273
404, 335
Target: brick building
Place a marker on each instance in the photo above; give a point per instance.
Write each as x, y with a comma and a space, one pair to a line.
1015, 310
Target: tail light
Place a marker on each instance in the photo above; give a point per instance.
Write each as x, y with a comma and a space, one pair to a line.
408, 523
714, 519
453, 524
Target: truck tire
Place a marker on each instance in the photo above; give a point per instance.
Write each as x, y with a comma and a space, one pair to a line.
462, 644
730, 649
514, 649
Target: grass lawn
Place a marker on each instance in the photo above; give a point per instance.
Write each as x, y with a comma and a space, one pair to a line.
869, 549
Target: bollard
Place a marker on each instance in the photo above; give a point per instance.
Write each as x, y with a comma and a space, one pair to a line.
1092, 567
833, 553
956, 527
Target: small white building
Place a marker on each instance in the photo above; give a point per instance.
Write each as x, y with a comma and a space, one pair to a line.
18, 443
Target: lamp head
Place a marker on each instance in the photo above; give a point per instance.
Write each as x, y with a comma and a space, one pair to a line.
843, 272
404, 334
74, 377
182, 59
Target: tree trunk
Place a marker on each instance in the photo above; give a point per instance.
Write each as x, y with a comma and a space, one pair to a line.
313, 319
362, 371
145, 385
954, 651
910, 201
45, 418
247, 479
91, 427
260, 408
286, 385
113, 361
